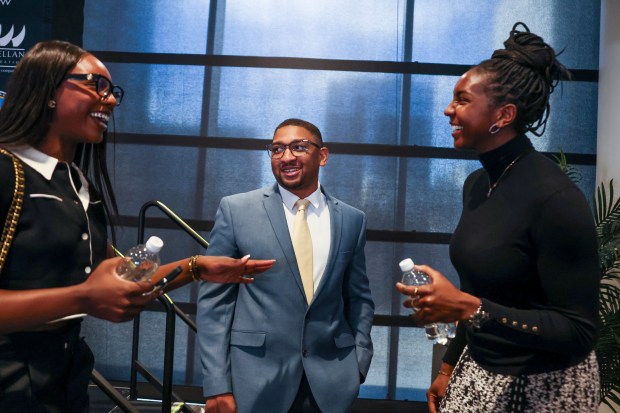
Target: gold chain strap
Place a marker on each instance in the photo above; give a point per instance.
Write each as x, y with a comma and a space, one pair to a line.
14, 210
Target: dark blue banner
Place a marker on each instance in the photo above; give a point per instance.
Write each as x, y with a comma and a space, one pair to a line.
26, 22
22, 24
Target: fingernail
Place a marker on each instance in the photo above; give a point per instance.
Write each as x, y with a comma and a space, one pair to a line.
247, 256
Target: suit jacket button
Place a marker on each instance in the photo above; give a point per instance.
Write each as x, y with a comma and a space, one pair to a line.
305, 353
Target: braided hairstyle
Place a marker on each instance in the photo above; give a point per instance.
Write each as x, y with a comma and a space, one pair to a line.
525, 74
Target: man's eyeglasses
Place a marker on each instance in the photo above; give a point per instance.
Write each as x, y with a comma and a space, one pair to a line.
103, 85
297, 148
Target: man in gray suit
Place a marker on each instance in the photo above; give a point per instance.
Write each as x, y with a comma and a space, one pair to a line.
287, 342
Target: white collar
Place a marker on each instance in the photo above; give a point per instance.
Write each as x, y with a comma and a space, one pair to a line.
37, 160
289, 198
45, 165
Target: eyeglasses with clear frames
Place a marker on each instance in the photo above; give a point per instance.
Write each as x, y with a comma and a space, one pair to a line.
103, 86
297, 148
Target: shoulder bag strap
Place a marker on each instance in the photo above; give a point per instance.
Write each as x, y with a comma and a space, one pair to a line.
14, 210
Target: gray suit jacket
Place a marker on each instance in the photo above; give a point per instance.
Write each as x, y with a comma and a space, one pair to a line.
256, 340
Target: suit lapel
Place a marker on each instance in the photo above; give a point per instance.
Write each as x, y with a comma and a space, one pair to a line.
272, 202
335, 216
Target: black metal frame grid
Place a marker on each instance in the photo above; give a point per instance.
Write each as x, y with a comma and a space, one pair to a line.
403, 152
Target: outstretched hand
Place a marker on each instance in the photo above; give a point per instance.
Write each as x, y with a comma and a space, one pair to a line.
439, 301
231, 270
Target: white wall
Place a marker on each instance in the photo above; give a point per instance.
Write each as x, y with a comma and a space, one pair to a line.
608, 139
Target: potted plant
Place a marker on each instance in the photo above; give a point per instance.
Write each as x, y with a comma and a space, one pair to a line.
607, 219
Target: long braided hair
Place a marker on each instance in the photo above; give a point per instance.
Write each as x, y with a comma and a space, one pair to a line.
525, 74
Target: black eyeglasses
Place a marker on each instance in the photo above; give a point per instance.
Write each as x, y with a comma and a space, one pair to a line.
297, 148
103, 85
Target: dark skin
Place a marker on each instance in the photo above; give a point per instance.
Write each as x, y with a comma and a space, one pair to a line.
471, 113
101, 295
215, 269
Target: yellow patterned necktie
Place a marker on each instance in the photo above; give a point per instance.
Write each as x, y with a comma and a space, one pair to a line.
302, 244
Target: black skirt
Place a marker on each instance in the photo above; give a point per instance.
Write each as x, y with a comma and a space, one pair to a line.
45, 371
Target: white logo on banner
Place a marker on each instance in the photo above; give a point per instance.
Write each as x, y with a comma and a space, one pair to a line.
10, 52
17, 40
5, 2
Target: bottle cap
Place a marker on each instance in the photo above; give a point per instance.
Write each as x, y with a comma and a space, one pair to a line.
154, 244
406, 265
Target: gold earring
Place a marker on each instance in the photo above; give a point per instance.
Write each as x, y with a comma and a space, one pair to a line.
51, 104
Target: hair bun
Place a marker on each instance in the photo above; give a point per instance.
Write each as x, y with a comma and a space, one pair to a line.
530, 50
525, 72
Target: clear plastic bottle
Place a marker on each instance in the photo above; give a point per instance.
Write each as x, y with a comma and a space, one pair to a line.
448, 334
411, 276
141, 261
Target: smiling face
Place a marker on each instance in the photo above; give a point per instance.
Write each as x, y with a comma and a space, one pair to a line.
80, 115
472, 113
298, 174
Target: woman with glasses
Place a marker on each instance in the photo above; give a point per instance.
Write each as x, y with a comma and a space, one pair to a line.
525, 250
56, 202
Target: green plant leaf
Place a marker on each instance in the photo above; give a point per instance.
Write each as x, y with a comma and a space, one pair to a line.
571, 171
606, 214
607, 219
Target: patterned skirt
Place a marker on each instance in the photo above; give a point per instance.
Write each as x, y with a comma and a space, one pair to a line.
476, 390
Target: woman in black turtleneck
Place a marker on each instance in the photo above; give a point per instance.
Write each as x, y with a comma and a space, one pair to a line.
525, 250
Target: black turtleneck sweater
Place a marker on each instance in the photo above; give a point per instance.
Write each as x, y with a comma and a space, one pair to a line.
529, 251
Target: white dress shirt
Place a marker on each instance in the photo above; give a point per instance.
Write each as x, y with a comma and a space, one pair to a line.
318, 219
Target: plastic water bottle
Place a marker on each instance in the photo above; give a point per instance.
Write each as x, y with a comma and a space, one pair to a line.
449, 331
141, 261
411, 276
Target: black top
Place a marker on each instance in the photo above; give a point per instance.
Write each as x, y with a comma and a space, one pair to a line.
57, 243
529, 251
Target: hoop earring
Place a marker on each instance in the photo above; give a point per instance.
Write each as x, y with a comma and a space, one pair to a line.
51, 104
494, 129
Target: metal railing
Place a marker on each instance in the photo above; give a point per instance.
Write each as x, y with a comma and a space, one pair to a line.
172, 311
